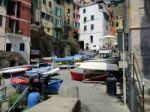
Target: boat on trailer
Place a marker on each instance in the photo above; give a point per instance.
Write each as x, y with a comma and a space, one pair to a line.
94, 71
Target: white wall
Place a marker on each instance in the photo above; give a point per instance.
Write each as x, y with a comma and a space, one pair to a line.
99, 25
15, 40
2, 28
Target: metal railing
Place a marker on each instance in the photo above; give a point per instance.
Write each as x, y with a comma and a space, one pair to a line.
137, 79
17, 102
6, 91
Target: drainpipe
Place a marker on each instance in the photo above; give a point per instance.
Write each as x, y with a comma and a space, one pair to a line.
39, 11
16, 8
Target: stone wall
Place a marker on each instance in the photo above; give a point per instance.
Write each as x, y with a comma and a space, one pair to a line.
11, 58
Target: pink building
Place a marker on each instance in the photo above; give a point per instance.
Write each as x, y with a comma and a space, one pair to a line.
76, 17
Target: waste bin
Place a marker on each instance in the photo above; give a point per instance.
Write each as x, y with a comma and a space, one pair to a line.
111, 86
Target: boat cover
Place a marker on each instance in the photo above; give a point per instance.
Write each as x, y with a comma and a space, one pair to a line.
99, 66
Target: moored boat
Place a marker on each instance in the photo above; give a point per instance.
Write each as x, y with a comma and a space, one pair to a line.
22, 82
93, 71
79, 76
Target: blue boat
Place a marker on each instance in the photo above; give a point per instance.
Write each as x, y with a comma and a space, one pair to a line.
53, 84
65, 59
38, 70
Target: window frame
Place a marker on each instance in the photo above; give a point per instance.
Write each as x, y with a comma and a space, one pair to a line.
22, 47
85, 28
92, 26
91, 38
84, 10
1, 20
50, 4
44, 2
92, 17
85, 19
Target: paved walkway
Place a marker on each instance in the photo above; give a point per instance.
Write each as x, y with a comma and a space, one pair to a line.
93, 96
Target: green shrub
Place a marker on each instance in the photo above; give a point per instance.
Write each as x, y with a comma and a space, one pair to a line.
12, 99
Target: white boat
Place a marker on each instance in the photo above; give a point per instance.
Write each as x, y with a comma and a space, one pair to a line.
94, 71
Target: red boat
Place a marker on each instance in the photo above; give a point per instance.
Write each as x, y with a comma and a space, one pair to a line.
90, 76
93, 71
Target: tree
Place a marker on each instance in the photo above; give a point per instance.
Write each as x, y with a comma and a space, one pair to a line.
42, 42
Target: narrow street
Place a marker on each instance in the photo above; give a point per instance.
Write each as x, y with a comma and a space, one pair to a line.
93, 96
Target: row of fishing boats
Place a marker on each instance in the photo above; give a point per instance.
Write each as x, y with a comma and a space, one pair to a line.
21, 75
89, 70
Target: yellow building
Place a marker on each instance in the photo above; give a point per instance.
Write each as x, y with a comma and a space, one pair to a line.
46, 16
68, 18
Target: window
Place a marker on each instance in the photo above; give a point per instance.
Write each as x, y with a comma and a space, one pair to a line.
91, 38
57, 34
84, 28
44, 2
21, 46
8, 47
100, 7
77, 15
1, 20
106, 27
84, 19
58, 11
74, 7
117, 24
68, 21
92, 17
68, 11
58, 23
84, 10
50, 4
92, 26
47, 17
74, 15
48, 29
42, 15
106, 16
3, 2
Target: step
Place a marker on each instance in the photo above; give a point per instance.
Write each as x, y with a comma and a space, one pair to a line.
147, 107
147, 98
57, 104
147, 103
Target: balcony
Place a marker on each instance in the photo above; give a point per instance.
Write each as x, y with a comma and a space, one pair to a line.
67, 25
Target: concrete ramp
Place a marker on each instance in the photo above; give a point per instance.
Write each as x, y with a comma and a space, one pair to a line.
69, 91
57, 104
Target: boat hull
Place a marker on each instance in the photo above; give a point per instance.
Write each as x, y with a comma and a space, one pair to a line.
90, 77
21, 84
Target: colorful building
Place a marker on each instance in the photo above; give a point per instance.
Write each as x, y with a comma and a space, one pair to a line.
46, 16
94, 25
2, 24
58, 18
68, 19
76, 17
17, 29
